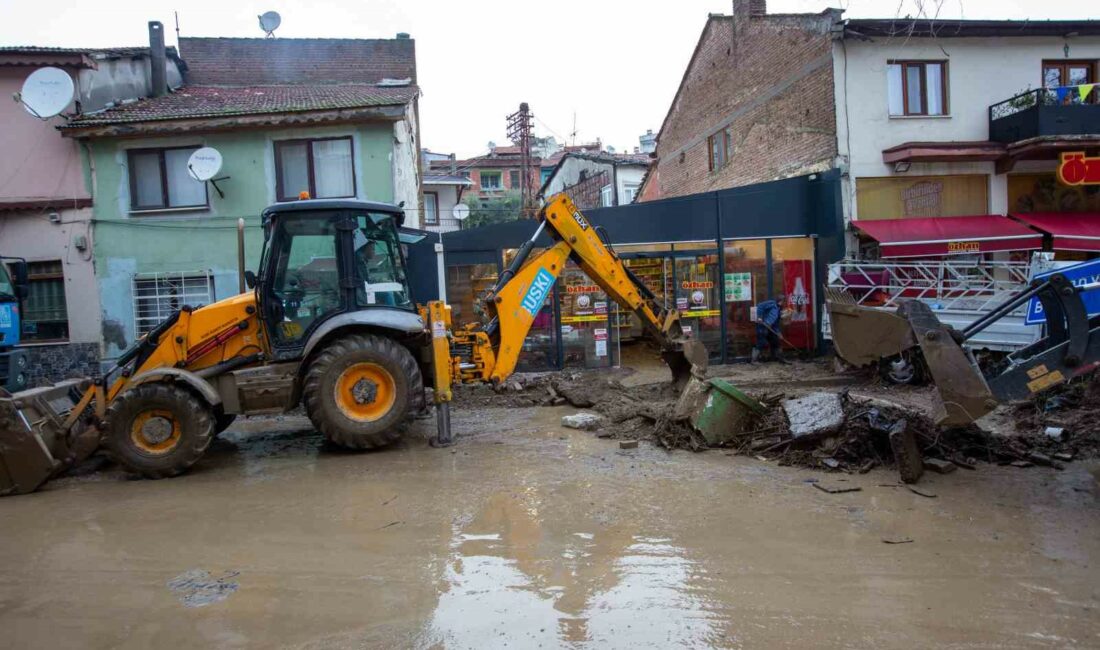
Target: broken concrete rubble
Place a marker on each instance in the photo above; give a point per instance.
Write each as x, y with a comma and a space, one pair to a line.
816, 414
583, 421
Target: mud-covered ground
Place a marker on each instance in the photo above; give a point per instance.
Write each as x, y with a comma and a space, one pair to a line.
526, 534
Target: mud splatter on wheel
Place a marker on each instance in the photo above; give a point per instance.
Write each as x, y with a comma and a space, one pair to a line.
158, 430
360, 389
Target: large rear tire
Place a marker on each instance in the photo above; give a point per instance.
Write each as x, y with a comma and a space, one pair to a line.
359, 391
158, 430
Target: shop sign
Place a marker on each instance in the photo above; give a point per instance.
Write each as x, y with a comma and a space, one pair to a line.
682, 303
700, 313
738, 287
582, 288
964, 247
584, 319
1076, 169
1080, 275
601, 348
600, 307
600, 333
692, 284
584, 301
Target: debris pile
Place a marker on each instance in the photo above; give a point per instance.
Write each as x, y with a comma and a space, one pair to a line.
831, 431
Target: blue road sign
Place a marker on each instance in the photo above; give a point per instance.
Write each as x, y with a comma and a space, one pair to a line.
1080, 275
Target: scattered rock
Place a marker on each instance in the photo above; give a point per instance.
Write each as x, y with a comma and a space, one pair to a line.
1055, 433
628, 444
816, 414
583, 421
906, 453
1043, 460
837, 489
831, 463
939, 466
1063, 456
1021, 463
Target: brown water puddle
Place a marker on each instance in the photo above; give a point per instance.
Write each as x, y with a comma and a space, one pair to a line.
529, 535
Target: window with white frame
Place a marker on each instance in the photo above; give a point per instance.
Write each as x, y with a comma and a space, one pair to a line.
324, 167
630, 190
158, 295
917, 87
431, 208
159, 179
606, 197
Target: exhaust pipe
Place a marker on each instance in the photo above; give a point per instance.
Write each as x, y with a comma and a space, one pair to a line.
240, 255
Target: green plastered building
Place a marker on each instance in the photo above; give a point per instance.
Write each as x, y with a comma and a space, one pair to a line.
336, 118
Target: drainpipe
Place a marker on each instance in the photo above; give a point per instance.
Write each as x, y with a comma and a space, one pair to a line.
158, 64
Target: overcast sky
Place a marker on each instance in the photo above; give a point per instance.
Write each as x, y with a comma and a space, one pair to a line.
614, 64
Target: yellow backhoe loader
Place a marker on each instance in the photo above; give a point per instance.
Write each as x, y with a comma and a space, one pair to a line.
328, 323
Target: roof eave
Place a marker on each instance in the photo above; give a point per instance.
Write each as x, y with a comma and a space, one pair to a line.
386, 113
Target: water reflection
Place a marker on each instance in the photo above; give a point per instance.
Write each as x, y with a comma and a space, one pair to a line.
511, 581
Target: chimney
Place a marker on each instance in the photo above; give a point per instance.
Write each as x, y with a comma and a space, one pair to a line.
403, 36
758, 7
158, 64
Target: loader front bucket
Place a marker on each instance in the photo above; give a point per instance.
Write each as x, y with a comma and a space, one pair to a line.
34, 444
864, 335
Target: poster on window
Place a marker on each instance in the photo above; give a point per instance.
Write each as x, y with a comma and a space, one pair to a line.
738, 287
601, 348
798, 327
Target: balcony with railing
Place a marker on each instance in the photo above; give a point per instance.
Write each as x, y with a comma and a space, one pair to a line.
1044, 112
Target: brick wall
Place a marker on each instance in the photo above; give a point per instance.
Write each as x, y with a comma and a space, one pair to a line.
768, 81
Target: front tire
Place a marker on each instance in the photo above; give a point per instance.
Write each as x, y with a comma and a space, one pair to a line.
158, 430
359, 391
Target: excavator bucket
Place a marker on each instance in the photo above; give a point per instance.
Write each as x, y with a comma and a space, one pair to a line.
689, 355
864, 335
34, 441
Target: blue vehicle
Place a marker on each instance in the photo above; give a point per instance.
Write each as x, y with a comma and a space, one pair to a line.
13, 361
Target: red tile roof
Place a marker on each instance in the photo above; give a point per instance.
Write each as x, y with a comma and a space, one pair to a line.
246, 61
223, 101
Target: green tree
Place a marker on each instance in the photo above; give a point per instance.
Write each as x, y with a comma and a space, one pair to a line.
493, 209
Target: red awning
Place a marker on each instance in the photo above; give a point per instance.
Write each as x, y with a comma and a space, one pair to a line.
934, 236
1072, 231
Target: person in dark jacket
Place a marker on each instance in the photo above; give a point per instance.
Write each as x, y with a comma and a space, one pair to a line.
768, 316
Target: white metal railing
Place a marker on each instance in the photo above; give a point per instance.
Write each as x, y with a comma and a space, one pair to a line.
965, 286
959, 292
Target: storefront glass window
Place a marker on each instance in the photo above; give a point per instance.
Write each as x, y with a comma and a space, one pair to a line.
656, 274
793, 274
745, 283
697, 299
587, 338
467, 285
622, 249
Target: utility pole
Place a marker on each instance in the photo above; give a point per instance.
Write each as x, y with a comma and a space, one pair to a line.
519, 132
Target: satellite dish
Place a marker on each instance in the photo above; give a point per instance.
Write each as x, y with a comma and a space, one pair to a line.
204, 164
47, 92
460, 211
269, 22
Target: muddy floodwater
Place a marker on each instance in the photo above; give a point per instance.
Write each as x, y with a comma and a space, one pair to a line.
528, 535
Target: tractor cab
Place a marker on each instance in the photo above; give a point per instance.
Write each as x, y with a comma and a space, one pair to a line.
325, 258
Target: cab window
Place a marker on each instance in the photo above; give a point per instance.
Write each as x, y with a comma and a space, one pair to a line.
379, 264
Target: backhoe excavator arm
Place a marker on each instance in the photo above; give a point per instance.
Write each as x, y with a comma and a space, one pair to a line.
490, 353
